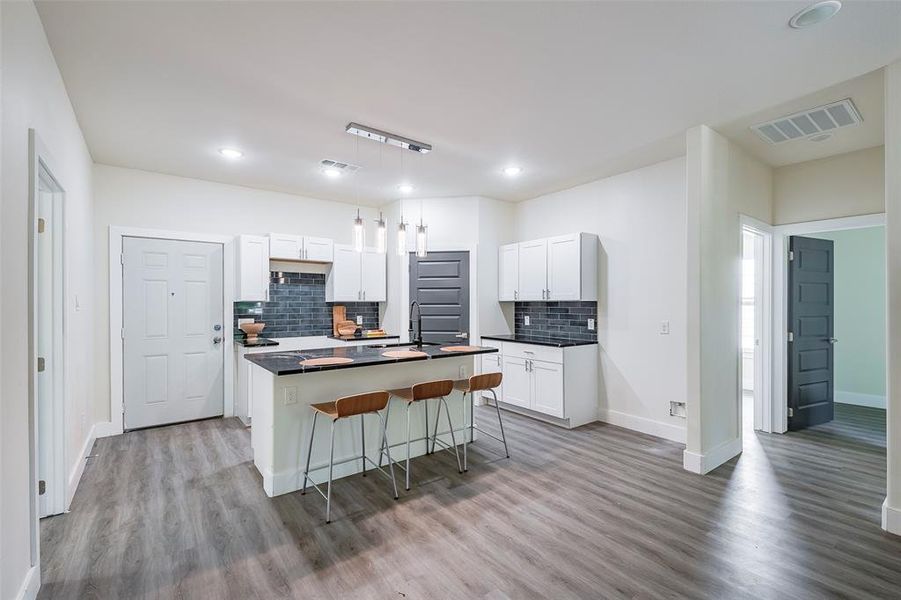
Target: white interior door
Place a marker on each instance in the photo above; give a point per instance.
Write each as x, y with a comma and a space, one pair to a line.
564, 268
532, 270
173, 331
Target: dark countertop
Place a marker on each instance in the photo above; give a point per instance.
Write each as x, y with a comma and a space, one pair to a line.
353, 338
288, 363
257, 343
538, 340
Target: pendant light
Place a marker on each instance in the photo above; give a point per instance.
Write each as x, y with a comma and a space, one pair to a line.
401, 237
381, 235
422, 249
359, 233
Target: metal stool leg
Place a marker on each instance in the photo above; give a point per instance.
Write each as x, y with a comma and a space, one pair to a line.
407, 486
425, 410
453, 437
387, 411
363, 443
306, 470
331, 462
465, 444
435, 435
500, 422
387, 448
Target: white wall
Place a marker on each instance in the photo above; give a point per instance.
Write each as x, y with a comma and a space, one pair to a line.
722, 182
640, 219
128, 197
34, 97
845, 185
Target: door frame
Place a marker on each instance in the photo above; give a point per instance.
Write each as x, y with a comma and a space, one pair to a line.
763, 312
781, 233
117, 381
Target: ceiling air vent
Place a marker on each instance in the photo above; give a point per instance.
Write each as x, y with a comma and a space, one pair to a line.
808, 123
341, 167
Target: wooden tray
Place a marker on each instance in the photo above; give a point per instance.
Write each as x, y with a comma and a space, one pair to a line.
325, 361
404, 354
460, 348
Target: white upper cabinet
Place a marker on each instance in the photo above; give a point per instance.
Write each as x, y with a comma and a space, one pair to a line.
253, 268
508, 272
283, 246
373, 276
558, 268
532, 270
356, 277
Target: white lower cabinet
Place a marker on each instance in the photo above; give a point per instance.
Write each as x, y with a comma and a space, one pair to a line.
547, 381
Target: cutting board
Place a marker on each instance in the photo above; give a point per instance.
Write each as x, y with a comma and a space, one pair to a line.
339, 313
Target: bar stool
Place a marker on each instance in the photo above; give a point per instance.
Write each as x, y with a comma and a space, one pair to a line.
342, 408
486, 382
424, 392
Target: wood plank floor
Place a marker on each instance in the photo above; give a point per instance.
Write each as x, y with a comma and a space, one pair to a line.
599, 512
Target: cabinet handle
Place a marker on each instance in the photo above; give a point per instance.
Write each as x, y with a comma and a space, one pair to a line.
548, 294
364, 294
515, 294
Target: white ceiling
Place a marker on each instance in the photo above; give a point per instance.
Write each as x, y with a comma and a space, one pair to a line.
868, 94
570, 91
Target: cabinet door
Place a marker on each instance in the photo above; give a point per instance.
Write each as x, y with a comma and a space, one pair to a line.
564, 267
508, 272
374, 275
284, 246
253, 268
493, 363
343, 280
318, 249
547, 388
532, 270
517, 382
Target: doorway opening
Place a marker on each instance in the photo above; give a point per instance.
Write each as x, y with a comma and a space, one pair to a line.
756, 327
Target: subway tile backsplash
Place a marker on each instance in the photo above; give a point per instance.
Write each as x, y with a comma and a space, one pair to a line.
298, 308
559, 320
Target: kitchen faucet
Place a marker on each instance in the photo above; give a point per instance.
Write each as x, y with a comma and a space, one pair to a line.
418, 339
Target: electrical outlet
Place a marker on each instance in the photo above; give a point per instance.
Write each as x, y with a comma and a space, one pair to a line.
462, 372
664, 327
590, 324
359, 319
290, 395
526, 320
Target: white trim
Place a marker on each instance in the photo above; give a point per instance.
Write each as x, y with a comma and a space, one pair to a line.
106, 429
30, 585
78, 469
781, 233
704, 463
667, 431
871, 400
116, 234
891, 518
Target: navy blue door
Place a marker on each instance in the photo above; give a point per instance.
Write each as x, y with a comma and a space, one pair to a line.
439, 282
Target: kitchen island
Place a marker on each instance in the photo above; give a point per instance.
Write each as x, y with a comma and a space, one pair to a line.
284, 384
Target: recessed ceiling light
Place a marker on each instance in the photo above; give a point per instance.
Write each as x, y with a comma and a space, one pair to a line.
815, 14
231, 153
331, 172
512, 171
820, 137
405, 188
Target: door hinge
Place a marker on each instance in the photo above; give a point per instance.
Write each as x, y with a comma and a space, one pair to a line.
791, 255
42, 225
42, 487
122, 333
41, 364
791, 411
791, 336
122, 258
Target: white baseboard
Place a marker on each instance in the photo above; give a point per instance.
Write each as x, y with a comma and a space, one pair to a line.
666, 431
106, 429
891, 518
706, 462
78, 468
30, 585
871, 400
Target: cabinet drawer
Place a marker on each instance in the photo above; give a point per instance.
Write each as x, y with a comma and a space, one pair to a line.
546, 353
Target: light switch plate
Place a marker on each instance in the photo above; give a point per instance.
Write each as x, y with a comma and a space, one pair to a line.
290, 395
359, 319
664, 327
590, 324
526, 321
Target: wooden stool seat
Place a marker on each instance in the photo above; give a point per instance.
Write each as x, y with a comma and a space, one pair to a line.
329, 409
425, 390
478, 383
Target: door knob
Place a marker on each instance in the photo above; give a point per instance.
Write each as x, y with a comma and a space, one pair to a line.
463, 335
217, 340
832, 340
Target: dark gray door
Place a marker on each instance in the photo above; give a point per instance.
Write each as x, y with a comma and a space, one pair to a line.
811, 313
440, 284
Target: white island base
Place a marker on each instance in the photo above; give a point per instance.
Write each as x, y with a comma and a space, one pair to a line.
282, 417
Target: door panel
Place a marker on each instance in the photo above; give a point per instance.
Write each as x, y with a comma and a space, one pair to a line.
439, 282
253, 269
532, 270
564, 268
517, 382
172, 301
374, 276
345, 275
508, 272
318, 249
285, 246
811, 321
547, 392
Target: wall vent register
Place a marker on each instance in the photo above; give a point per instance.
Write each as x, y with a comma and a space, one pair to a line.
811, 123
